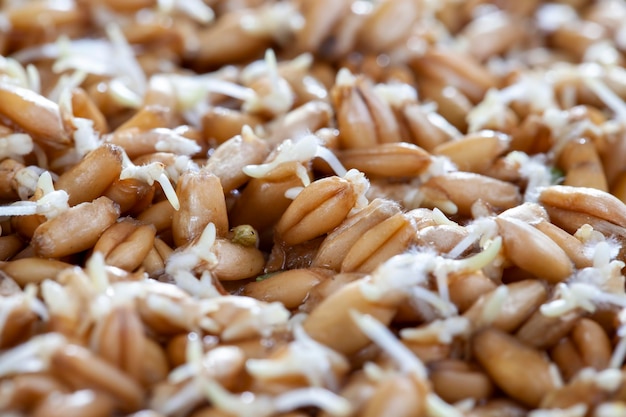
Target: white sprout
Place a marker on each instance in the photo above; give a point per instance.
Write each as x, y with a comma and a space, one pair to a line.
175, 311
443, 307
321, 398
114, 58
196, 9
610, 409
563, 129
436, 407
245, 404
259, 68
180, 263
579, 295
535, 170
441, 219
200, 288
382, 336
128, 71
480, 260
360, 186
15, 145
170, 141
602, 52
551, 16
408, 273
491, 109
200, 251
279, 20
396, 94
360, 183
578, 410
280, 98
31, 356
399, 273
479, 229
440, 165
96, 271
194, 353
443, 330
248, 404
150, 173
591, 286
66, 83
304, 356
26, 179
26, 299
302, 150
608, 380
406, 361
493, 306
263, 317
191, 371
619, 353
123, 94
529, 89
33, 77
50, 204
345, 78
85, 137
612, 100
58, 299
15, 72
599, 248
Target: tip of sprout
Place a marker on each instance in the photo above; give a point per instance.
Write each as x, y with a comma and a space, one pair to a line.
382, 336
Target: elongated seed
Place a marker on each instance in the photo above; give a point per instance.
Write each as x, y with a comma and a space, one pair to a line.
79, 367
522, 299
347, 338
121, 341
236, 261
35, 114
76, 404
567, 358
33, 270
464, 188
533, 251
125, 244
318, 209
593, 343
229, 159
387, 160
586, 201
582, 166
336, 245
76, 229
474, 152
522, 372
291, 287
386, 239
455, 381
88, 179
201, 202
398, 396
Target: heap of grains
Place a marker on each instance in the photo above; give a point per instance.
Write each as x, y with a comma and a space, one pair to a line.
333, 208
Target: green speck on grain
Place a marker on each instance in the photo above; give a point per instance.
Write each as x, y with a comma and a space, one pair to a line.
556, 175
245, 235
266, 276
